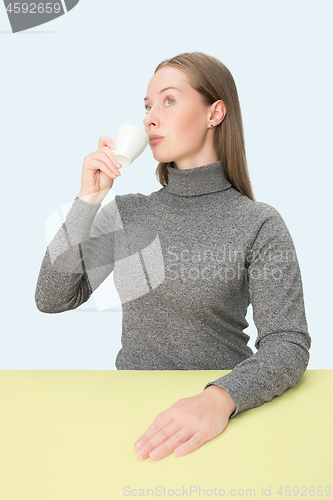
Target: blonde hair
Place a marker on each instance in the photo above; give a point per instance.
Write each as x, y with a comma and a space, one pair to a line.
212, 79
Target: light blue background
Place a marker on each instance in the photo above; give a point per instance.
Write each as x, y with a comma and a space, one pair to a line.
66, 83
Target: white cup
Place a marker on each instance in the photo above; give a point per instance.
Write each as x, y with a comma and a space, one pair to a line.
130, 142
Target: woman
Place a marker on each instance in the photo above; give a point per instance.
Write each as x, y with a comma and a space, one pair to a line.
188, 259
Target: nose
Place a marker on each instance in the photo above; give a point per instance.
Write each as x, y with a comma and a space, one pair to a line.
151, 118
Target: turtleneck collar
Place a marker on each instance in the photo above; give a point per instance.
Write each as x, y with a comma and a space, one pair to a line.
196, 181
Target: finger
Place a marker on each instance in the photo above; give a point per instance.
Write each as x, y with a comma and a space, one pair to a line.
110, 154
195, 441
104, 158
176, 439
100, 165
159, 440
105, 141
161, 421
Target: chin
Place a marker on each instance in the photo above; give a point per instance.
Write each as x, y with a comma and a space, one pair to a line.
162, 158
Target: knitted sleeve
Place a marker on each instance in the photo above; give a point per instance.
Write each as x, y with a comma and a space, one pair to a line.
79, 257
283, 341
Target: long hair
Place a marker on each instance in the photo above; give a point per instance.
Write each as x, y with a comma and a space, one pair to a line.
212, 79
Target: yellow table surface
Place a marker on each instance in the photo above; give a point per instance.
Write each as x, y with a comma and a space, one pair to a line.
69, 434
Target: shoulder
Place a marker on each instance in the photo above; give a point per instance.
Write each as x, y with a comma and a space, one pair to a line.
131, 206
133, 201
271, 227
258, 219
131, 198
255, 210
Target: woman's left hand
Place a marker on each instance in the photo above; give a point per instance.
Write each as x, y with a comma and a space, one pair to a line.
187, 424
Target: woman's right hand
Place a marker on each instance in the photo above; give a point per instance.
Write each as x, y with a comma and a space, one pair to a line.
99, 170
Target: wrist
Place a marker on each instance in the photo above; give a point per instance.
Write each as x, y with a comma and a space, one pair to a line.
93, 198
223, 395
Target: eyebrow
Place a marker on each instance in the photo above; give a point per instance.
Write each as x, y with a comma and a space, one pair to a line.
160, 92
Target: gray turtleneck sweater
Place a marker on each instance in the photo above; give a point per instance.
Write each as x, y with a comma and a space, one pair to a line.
188, 260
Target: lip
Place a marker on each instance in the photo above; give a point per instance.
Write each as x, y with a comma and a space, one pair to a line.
155, 139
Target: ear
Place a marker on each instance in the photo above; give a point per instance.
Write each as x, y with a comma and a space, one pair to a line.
217, 112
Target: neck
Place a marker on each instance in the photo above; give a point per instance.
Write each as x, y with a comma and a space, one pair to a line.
194, 163
204, 179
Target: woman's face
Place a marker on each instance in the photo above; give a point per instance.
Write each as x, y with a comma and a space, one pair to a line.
181, 118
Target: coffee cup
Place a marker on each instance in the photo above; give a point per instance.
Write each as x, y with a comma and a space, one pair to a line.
130, 142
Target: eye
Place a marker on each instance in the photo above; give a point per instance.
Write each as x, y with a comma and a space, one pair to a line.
169, 99
165, 100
